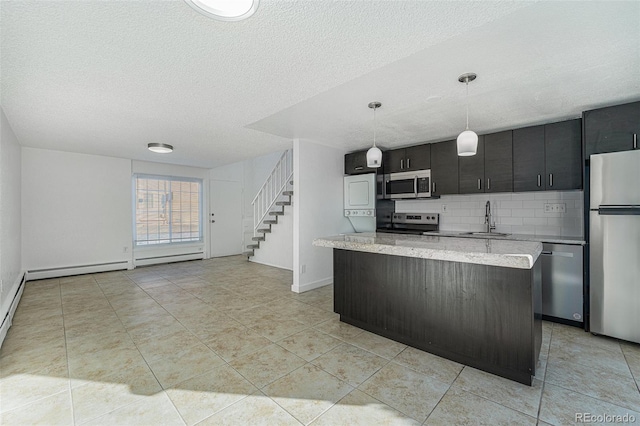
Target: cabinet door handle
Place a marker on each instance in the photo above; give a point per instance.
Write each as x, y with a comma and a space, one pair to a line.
401, 164
434, 187
539, 181
635, 141
408, 163
359, 168
488, 183
550, 179
479, 184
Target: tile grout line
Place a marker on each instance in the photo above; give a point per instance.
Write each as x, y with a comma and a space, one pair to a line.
142, 356
66, 351
544, 379
579, 391
445, 393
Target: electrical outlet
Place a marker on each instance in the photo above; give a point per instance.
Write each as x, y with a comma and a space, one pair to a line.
555, 208
303, 269
444, 208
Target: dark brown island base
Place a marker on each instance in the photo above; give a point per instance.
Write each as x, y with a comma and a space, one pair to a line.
468, 310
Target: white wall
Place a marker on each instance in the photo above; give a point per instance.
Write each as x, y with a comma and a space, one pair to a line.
277, 249
76, 209
318, 173
10, 215
517, 213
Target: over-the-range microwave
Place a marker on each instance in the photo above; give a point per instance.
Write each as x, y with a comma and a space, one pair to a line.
404, 185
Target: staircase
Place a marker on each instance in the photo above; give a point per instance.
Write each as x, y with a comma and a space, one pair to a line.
271, 200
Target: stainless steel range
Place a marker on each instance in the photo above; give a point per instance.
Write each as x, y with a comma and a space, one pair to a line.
412, 223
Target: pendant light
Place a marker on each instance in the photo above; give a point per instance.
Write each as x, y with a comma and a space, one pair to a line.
467, 140
374, 155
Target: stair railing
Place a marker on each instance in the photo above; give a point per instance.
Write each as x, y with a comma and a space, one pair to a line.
272, 189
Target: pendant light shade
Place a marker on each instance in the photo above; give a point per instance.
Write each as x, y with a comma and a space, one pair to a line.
468, 140
374, 155
467, 143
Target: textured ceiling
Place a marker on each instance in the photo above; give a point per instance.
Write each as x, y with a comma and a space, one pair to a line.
107, 77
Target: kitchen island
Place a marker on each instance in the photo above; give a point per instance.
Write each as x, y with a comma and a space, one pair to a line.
474, 301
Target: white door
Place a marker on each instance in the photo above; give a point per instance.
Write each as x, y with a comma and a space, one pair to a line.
225, 217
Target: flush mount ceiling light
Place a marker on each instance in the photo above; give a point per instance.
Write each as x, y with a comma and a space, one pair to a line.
374, 155
160, 148
225, 10
467, 140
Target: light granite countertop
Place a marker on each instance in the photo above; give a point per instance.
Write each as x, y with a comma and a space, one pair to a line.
518, 237
484, 251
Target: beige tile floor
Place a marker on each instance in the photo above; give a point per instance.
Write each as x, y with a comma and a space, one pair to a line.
225, 341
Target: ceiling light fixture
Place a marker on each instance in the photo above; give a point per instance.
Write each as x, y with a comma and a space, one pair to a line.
467, 140
160, 148
374, 155
225, 10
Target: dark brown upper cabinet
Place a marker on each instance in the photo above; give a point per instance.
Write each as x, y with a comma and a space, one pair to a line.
355, 163
471, 171
548, 157
444, 168
563, 155
407, 159
528, 159
498, 162
612, 129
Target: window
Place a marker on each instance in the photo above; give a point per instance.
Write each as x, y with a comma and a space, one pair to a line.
167, 210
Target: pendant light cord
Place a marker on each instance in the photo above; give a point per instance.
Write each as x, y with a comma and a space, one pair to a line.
374, 126
467, 84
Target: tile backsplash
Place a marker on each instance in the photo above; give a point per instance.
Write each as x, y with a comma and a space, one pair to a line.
515, 213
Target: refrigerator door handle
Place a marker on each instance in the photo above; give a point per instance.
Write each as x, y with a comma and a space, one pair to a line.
619, 210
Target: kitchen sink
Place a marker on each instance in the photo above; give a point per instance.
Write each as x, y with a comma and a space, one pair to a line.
486, 234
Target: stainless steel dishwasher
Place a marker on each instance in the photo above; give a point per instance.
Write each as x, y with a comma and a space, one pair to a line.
562, 278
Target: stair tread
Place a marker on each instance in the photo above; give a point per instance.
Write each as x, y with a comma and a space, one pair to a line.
257, 238
264, 230
253, 246
287, 192
283, 203
270, 221
276, 213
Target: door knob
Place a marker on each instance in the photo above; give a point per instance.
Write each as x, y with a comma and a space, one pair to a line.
212, 214
213, 221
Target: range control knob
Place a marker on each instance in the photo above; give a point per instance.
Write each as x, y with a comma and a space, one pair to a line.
347, 212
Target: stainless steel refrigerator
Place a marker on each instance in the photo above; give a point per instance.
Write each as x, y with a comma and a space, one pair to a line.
614, 240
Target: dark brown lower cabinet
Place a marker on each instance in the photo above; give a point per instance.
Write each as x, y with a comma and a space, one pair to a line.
486, 317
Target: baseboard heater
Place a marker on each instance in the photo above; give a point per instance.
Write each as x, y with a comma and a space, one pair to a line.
8, 318
154, 260
65, 271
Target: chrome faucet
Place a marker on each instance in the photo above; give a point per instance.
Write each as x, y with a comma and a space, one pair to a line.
487, 218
